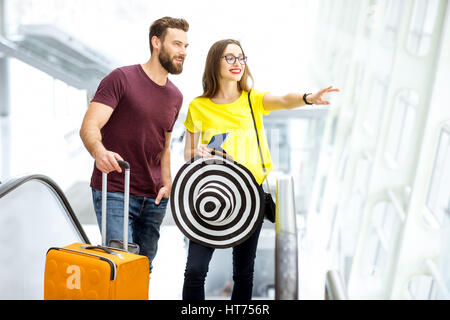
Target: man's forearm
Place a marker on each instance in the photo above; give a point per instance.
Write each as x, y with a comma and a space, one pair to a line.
165, 168
92, 140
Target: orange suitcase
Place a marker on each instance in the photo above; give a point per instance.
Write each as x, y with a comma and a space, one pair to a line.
82, 271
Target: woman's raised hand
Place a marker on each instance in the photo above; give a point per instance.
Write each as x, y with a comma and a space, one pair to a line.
317, 98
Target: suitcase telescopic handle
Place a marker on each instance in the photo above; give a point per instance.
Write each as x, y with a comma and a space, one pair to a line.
98, 248
125, 165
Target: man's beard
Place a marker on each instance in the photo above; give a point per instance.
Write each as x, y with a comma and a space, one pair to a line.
166, 62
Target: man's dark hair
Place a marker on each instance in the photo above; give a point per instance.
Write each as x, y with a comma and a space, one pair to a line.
159, 28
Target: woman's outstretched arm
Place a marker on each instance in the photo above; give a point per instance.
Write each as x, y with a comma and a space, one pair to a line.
295, 100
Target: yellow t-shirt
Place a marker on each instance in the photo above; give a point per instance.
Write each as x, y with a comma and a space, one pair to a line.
236, 119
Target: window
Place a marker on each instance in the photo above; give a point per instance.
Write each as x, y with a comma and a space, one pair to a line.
362, 174
277, 139
392, 22
402, 126
343, 160
351, 223
422, 26
353, 20
385, 225
327, 7
376, 106
343, 11
370, 13
359, 83
444, 264
344, 67
422, 287
352, 219
348, 15
323, 183
334, 125
438, 197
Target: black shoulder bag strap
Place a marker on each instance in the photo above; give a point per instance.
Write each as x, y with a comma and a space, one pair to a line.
256, 130
269, 204
257, 139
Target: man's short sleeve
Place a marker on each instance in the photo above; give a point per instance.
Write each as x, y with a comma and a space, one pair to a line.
176, 117
111, 89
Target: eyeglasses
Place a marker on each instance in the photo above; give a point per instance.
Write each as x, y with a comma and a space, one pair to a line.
231, 59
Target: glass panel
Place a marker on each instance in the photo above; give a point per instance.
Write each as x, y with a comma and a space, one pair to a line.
351, 19
57, 144
422, 26
362, 176
277, 134
334, 125
402, 125
343, 69
431, 14
352, 220
373, 253
445, 250
343, 160
323, 183
384, 228
408, 129
351, 224
359, 84
422, 287
376, 105
393, 19
391, 225
370, 22
438, 197
32, 220
294, 147
376, 253
343, 11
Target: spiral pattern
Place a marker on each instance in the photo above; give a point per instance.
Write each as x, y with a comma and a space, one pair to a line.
216, 202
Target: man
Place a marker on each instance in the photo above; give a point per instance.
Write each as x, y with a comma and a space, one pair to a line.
131, 118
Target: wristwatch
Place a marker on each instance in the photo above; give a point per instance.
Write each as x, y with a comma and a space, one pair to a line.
304, 99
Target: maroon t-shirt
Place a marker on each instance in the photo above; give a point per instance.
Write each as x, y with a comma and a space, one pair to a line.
143, 112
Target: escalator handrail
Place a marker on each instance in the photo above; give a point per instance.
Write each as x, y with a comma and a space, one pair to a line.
10, 185
334, 286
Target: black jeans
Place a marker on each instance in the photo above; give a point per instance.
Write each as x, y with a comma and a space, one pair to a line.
197, 265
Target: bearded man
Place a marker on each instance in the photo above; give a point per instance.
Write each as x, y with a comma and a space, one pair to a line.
131, 118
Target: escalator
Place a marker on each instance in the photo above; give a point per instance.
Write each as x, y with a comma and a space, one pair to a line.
34, 216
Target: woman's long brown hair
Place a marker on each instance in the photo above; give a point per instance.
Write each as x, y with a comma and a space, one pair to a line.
211, 75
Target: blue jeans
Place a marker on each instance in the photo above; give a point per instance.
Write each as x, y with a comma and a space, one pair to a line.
144, 222
197, 264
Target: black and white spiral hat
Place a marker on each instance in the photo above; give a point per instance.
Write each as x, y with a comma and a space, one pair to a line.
216, 202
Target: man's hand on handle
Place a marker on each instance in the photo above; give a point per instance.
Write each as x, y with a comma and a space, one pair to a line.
106, 161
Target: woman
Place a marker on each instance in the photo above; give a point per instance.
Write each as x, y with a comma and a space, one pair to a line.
224, 108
